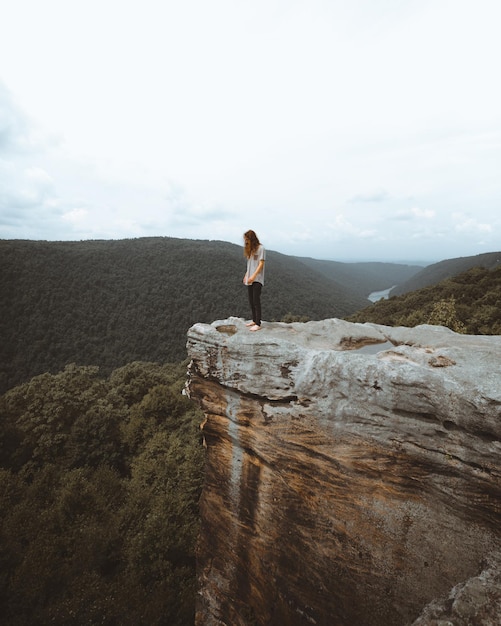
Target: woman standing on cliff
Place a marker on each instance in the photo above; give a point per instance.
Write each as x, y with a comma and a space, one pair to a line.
255, 254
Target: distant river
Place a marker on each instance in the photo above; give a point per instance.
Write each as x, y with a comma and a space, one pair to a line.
378, 295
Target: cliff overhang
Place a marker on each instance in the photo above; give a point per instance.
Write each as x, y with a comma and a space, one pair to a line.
352, 470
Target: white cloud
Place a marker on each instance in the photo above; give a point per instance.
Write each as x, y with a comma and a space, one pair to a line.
471, 225
76, 216
24, 188
415, 213
379, 195
12, 123
341, 226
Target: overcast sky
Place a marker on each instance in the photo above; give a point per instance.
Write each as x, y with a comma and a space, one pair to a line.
337, 129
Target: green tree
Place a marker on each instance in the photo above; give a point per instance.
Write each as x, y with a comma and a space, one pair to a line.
444, 314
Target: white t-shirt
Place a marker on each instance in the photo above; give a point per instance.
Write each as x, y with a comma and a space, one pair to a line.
253, 262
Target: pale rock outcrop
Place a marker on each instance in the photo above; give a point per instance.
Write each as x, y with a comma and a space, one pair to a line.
476, 602
352, 473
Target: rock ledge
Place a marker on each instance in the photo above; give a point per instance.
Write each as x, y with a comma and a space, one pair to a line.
352, 473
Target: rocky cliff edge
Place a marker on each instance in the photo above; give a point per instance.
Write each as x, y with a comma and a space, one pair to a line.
352, 474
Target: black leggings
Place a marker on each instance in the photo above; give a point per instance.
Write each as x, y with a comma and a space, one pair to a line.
254, 292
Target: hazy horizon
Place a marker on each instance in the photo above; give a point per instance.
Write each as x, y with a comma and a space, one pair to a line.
336, 130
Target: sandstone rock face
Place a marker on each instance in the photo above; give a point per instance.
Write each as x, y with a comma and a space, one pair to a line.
352, 471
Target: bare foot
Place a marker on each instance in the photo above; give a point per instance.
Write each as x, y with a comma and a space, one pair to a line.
250, 324
255, 327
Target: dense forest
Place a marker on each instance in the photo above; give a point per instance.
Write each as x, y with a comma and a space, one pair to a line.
108, 303
469, 302
99, 485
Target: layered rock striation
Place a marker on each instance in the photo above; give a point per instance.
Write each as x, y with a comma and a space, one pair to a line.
352, 470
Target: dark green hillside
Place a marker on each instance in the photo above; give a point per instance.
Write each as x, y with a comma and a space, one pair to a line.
99, 486
433, 274
364, 278
469, 302
107, 303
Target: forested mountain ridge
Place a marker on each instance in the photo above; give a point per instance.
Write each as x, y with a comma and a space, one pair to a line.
108, 303
436, 272
364, 278
469, 302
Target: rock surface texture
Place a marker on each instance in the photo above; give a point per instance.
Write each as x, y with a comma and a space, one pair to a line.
352, 474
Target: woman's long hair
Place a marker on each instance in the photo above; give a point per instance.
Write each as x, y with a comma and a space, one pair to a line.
251, 243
